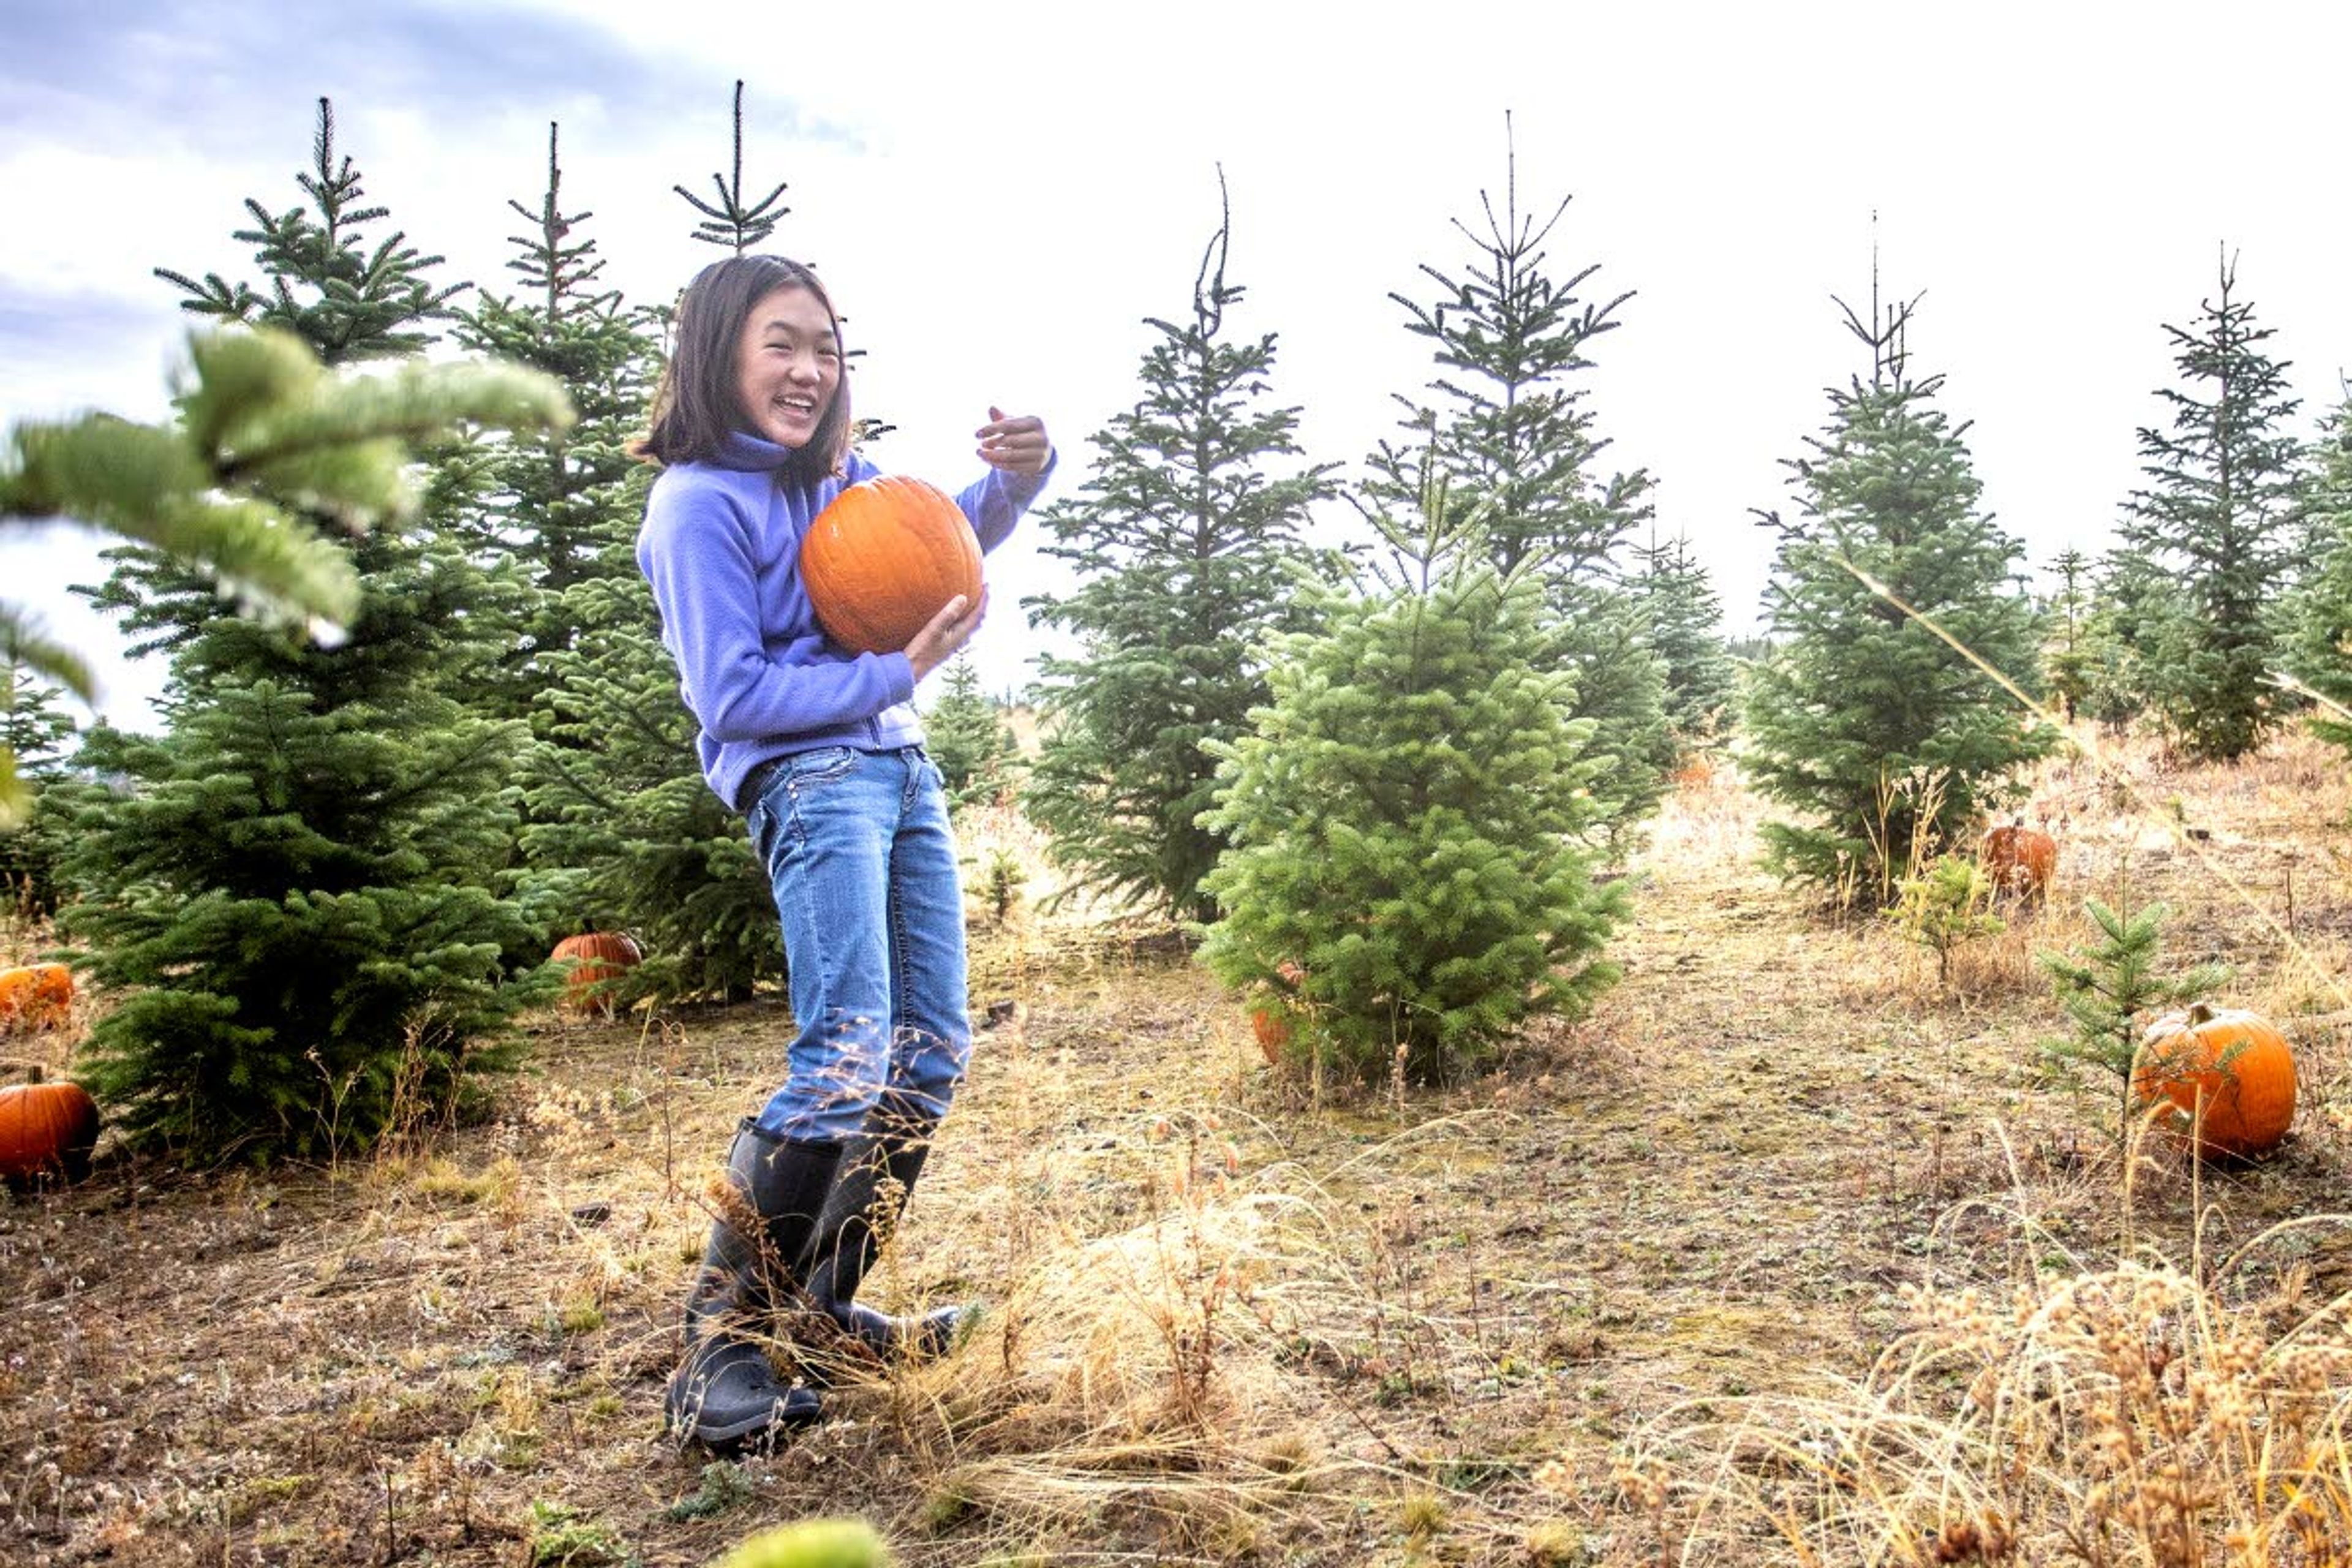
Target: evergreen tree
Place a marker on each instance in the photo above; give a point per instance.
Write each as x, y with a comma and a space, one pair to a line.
968, 737
36, 733
2319, 619
730, 220
296, 898
2131, 600
2067, 657
1179, 535
347, 301
1407, 816
624, 832
547, 507
2108, 988
1512, 433
1682, 622
1886, 738
2217, 518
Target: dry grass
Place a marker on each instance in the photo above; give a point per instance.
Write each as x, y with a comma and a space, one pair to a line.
1588, 1309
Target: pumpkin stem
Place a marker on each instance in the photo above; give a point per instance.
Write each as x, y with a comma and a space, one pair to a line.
2200, 1015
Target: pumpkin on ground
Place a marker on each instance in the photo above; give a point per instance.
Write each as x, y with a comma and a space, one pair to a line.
2019, 861
884, 557
45, 1128
34, 996
1270, 1021
598, 957
2227, 1070
1273, 1032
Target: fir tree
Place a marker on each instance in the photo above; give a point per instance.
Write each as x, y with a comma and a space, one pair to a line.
2216, 518
1886, 738
2108, 987
2319, 617
968, 737
1179, 535
624, 832
2131, 600
2067, 657
730, 220
545, 509
36, 733
1406, 816
296, 900
1512, 433
1680, 622
325, 285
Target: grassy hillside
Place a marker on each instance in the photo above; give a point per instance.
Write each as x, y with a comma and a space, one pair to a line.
1786, 1253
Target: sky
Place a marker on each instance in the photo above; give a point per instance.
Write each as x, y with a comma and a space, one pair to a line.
998, 196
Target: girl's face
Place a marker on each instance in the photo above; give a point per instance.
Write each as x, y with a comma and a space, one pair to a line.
787, 366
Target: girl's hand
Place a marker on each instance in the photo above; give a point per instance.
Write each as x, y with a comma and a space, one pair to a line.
1017, 443
948, 631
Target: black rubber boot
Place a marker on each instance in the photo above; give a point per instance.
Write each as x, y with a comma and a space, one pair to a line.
724, 1393
878, 1170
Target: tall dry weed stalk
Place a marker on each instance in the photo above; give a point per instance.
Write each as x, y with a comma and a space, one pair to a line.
2126, 1418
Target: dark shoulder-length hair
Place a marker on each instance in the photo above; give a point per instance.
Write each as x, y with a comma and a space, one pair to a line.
695, 407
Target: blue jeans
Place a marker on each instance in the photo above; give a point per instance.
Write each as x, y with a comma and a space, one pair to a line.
859, 852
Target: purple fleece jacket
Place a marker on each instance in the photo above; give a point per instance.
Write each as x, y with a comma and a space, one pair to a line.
721, 547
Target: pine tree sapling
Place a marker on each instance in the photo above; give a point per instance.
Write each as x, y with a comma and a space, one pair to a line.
2067, 659
970, 740
1863, 696
1944, 908
1407, 821
2109, 988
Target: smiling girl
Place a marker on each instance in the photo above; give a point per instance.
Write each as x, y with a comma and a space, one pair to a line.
821, 749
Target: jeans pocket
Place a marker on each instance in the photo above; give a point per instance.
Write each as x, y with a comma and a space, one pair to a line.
823, 765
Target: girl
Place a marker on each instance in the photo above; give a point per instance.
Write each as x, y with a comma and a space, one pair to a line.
822, 752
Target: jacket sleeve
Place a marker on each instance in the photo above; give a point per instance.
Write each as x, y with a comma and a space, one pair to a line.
695, 554
996, 501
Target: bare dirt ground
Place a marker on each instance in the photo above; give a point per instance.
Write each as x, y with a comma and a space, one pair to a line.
1233, 1314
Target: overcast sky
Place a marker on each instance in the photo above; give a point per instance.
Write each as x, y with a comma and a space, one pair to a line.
999, 194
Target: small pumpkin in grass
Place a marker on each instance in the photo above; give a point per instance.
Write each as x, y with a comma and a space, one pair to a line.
45, 1128
1270, 1021
34, 996
2019, 861
597, 956
2228, 1067
883, 558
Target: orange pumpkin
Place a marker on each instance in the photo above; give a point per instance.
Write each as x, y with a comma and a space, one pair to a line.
1273, 1032
2018, 859
34, 996
1698, 771
884, 558
597, 956
45, 1128
2227, 1069
1270, 1021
